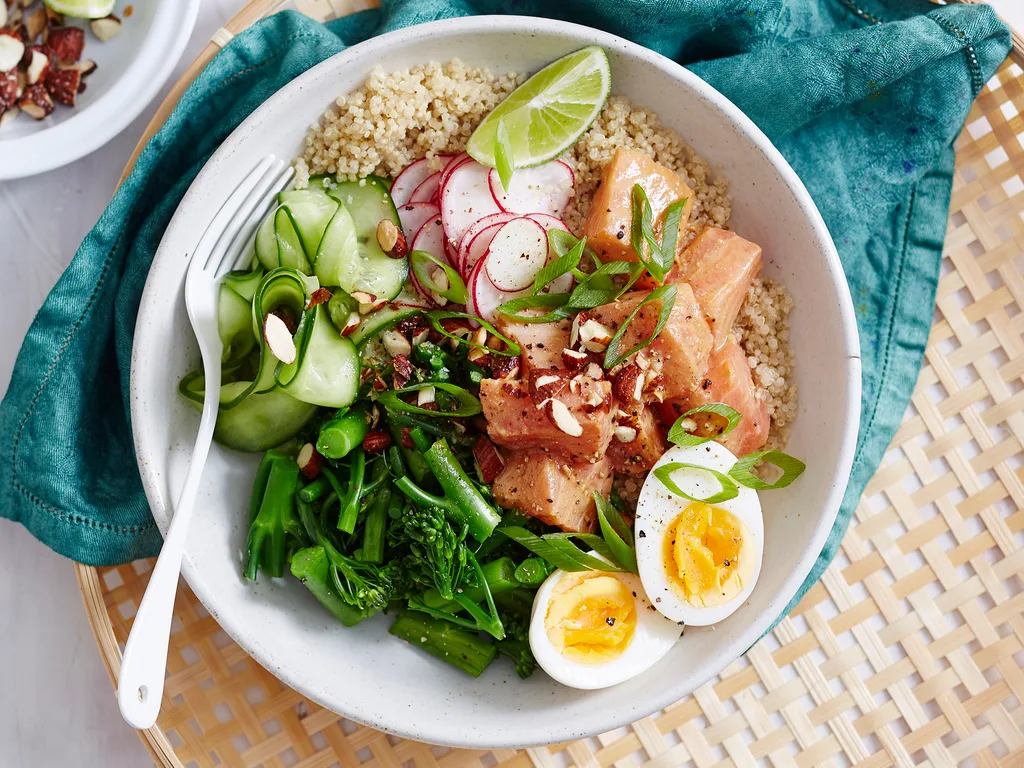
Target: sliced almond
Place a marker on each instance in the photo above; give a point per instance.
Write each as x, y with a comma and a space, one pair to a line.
420, 336
105, 28
595, 336
9, 116
395, 343
391, 239
351, 323
476, 355
3, 13
37, 67
574, 330
594, 372
425, 396
35, 23
628, 385
280, 341
625, 434
309, 460
545, 383
11, 51
573, 360
562, 417
367, 301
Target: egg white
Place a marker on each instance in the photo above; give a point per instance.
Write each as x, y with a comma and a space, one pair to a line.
658, 507
652, 638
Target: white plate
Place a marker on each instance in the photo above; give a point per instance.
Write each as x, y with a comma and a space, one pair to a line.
364, 673
131, 69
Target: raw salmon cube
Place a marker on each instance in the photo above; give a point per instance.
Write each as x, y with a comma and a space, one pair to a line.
515, 421
611, 212
681, 351
641, 454
719, 266
552, 489
542, 343
728, 381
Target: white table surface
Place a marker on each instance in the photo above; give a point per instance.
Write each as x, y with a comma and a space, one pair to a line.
57, 706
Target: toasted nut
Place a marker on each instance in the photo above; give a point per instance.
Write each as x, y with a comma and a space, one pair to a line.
319, 296
351, 323
477, 355
574, 329
395, 343
488, 459
8, 90
420, 336
545, 383
367, 301
573, 360
593, 400
504, 367
403, 371
8, 116
85, 66
3, 13
595, 336
64, 85
66, 42
628, 385
480, 336
36, 102
105, 28
279, 339
11, 51
53, 18
559, 413
39, 62
425, 396
35, 23
376, 441
594, 372
625, 434
309, 460
391, 239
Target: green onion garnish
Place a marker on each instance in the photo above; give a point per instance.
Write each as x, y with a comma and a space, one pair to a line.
559, 549
564, 263
597, 289
503, 160
512, 349
667, 295
616, 532
658, 258
468, 405
728, 491
680, 433
513, 307
791, 468
455, 291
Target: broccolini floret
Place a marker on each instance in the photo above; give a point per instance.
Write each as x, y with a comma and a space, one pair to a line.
434, 541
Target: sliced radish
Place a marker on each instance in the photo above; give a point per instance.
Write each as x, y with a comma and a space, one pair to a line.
454, 162
484, 297
426, 192
518, 251
414, 215
548, 221
473, 231
430, 238
465, 199
479, 245
406, 182
545, 188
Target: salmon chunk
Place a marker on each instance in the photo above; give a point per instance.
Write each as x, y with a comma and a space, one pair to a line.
515, 421
552, 489
682, 349
542, 343
642, 453
611, 212
729, 381
719, 266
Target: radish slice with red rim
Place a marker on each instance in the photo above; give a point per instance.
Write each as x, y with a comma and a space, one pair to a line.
454, 162
426, 192
406, 182
465, 199
414, 215
518, 251
478, 246
484, 298
563, 283
544, 188
473, 231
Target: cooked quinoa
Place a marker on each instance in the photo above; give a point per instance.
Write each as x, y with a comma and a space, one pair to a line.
432, 109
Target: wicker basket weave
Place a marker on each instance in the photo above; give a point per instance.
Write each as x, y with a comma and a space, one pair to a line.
910, 649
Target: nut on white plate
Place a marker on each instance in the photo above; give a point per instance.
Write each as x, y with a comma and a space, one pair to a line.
105, 28
11, 51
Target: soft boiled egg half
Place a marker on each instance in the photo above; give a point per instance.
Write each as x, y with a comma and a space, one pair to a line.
698, 562
592, 629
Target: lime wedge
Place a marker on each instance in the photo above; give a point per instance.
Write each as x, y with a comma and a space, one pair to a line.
82, 9
547, 114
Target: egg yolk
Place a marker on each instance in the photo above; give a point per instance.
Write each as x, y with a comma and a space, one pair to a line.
591, 617
704, 555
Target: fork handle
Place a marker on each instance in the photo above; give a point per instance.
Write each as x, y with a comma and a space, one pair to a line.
140, 683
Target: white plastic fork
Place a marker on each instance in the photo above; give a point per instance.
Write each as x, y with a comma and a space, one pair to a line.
140, 683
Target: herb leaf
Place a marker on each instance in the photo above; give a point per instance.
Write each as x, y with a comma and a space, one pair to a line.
728, 491
564, 263
680, 433
421, 263
617, 534
513, 307
667, 295
670, 234
592, 293
641, 233
791, 468
511, 348
559, 549
467, 404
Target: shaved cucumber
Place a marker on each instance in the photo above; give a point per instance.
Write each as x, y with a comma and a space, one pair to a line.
278, 244
407, 304
326, 369
311, 210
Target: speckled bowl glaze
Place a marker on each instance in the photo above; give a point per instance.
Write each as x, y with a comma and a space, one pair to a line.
364, 673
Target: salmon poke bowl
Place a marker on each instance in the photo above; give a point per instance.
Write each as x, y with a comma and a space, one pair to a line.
540, 389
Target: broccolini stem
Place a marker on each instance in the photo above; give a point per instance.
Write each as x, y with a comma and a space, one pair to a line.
420, 439
275, 519
338, 437
349, 513
459, 647
314, 490
377, 518
466, 504
499, 575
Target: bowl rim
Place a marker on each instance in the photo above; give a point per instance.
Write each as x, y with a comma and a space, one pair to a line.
90, 127
452, 736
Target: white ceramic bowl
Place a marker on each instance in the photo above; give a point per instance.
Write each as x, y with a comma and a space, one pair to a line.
366, 674
131, 69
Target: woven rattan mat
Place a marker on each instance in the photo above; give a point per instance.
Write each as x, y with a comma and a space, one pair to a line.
908, 652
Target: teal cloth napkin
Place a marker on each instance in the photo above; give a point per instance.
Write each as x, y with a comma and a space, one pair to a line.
863, 97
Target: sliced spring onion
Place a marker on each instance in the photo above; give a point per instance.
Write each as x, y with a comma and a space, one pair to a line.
641, 232
728, 491
679, 434
791, 468
566, 262
670, 232
424, 263
468, 405
667, 295
597, 290
503, 159
514, 307
560, 550
617, 534
511, 348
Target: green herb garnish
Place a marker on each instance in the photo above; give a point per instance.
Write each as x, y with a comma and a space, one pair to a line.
657, 257
728, 491
455, 291
560, 550
667, 295
681, 434
791, 468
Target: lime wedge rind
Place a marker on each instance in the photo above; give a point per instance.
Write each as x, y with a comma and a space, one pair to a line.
82, 9
549, 112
